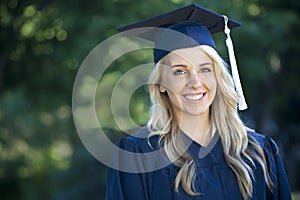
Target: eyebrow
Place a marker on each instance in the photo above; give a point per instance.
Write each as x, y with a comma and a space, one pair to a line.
179, 65
207, 63
201, 65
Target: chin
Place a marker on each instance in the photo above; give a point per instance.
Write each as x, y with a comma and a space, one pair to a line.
196, 112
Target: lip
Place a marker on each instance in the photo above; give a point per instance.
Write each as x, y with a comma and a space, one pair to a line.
195, 97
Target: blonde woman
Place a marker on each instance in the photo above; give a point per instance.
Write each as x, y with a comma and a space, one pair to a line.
194, 146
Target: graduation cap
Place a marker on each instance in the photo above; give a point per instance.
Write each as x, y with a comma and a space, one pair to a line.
186, 27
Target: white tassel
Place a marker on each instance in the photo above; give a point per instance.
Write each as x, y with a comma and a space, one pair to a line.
235, 74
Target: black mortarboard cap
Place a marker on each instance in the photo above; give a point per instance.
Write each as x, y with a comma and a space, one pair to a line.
185, 27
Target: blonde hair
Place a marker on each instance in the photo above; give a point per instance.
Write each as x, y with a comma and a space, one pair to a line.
224, 117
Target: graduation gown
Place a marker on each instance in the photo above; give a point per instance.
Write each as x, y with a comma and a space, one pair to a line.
214, 177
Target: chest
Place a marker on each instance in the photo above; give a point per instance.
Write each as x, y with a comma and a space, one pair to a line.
212, 182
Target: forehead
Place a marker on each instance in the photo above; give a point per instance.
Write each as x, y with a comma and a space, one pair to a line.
193, 55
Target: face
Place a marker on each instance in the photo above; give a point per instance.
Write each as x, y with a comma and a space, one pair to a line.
189, 80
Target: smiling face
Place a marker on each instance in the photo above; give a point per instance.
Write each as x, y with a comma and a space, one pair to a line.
189, 80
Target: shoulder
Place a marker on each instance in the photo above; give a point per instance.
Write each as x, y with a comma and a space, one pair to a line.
139, 141
275, 166
139, 153
267, 143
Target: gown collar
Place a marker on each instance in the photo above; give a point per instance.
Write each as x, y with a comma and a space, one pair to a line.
205, 156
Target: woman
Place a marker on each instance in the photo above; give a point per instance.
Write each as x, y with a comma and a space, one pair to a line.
194, 120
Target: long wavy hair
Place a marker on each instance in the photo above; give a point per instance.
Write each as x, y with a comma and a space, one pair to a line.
237, 144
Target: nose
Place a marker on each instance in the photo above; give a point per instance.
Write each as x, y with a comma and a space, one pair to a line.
195, 80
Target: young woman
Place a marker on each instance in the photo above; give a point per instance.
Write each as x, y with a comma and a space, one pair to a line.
204, 149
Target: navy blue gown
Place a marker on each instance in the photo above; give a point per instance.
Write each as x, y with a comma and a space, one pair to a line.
214, 179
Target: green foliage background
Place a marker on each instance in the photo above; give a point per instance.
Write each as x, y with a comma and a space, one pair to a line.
43, 44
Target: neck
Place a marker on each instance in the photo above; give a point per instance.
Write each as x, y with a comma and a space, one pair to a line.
196, 127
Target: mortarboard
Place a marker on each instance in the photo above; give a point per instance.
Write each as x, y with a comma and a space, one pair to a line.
185, 27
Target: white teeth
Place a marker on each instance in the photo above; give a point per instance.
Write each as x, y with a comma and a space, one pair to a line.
194, 97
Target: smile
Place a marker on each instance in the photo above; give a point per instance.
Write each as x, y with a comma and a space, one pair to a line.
195, 97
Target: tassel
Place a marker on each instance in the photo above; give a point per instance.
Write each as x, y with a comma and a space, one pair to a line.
235, 74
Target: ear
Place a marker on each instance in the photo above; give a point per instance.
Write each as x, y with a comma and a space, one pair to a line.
162, 89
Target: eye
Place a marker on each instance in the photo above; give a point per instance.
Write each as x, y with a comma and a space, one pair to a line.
205, 70
179, 72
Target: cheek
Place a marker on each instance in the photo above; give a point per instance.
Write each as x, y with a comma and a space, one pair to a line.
214, 86
211, 82
173, 92
173, 89
211, 85
214, 83
173, 85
